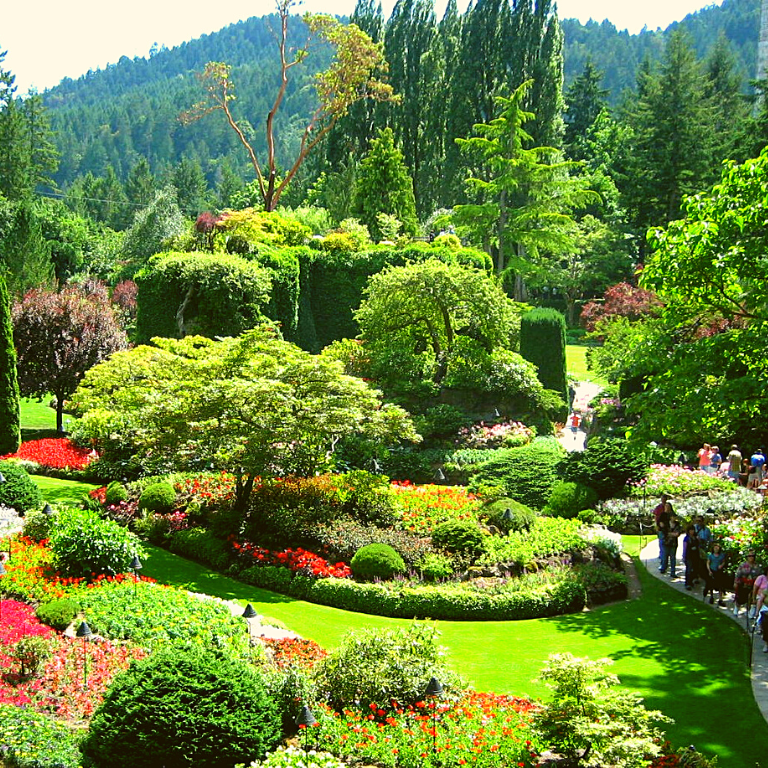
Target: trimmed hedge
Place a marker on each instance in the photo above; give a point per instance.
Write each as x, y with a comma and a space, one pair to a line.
542, 342
215, 294
18, 491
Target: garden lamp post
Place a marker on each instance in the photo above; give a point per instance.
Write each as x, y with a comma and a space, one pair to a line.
434, 690
306, 720
248, 614
440, 475
2, 478
136, 566
47, 510
84, 631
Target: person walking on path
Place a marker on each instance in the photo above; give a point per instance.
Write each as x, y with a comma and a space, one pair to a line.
691, 556
757, 460
671, 540
715, 574
734, 463
744, 581
715, 460
661, 515
705, 458
704, 535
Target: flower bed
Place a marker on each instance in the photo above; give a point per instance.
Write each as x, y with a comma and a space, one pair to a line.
508, 434
53, 453
675, 480
295, 560
423, 507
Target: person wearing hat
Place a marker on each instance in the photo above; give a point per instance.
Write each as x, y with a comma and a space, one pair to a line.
743, 583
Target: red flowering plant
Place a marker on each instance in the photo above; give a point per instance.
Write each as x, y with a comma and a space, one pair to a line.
508, 434
297, 560
294, 651
423, 507
53, 453
480, 729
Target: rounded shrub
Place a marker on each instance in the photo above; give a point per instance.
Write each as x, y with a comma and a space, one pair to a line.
83, 544
459, 536
568, 499
434, 567
158, 497
607, 465
116, 492
38, 526
376, 561
509, 515
58, 614
181, 708
18, 491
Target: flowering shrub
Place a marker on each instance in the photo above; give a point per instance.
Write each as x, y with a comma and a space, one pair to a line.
423, 507
741, 535
675, 480
508, 434
54, 453
205, 490
298, 651
295, 757
296, 560
479, 729
31, 739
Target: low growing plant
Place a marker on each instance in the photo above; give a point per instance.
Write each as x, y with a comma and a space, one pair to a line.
35, 740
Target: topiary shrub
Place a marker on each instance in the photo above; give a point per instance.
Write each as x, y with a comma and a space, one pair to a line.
542, 342
18, 490
181, 708
58, 614
158, 497
376, 561
201, 545
607, 465
116, 492
568, 499
84, 544
509, 515
461, 537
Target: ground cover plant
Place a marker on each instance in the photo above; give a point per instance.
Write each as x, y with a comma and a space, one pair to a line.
51, 453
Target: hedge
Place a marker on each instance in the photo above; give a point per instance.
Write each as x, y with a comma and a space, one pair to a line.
542, 342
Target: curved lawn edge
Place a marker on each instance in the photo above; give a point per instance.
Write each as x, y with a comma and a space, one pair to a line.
683, 659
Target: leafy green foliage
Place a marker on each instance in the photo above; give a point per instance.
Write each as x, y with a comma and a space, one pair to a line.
461, 537
377, 667
508, 515
158, 497
201, 545
589, 716
116, 492
542, 342
19, 490
525, 474
38, 525
182, 294
58, 614
10, 433
85, 544
607, 466
227, 714
34, 740
376, 561
568, 499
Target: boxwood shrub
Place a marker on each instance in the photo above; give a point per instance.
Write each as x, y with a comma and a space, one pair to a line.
18, 491
201, 545
376, 561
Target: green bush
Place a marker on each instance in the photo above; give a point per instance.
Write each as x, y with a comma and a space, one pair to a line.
34, 740
568, 499
607, 465
58, 614
116, 492
461, 537
508, 515
542, 342
158, 497
376, 561
181, 708
442, 421
201, 545
435, 567
375, 666
525, 474
18, 490
83, 544
38, 526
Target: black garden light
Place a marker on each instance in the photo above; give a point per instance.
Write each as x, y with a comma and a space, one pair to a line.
3, 572
248, 614
434, 691
84, 631
2, 478
47, 510
136, 566
306, 720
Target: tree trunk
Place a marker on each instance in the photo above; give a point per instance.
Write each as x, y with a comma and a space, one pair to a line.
59, 412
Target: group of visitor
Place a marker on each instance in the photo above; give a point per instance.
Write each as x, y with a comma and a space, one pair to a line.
748, 471
705, 561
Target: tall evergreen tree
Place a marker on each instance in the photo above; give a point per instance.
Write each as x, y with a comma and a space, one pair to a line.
585, 100
10, 433
384, 186
24, 253
191, 186
140, 185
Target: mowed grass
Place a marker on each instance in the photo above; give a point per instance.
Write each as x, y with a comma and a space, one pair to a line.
683, 658
576, 364
62, 492
38, 419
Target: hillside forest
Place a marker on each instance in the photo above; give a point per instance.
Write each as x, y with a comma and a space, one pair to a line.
398, 193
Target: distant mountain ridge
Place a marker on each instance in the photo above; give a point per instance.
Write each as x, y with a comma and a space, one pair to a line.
130, 109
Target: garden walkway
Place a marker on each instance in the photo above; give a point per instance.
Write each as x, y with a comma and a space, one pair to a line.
585, 391
759, 660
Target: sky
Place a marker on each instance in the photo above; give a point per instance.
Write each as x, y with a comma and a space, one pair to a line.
49, 40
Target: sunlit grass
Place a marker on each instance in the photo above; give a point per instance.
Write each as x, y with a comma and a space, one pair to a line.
576, 364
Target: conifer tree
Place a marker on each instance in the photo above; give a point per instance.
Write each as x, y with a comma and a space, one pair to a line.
585, 100
384, 186
10, 435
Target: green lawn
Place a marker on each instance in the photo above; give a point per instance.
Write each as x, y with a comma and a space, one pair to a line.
57, 491
681, 656
37, 419
576, 364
